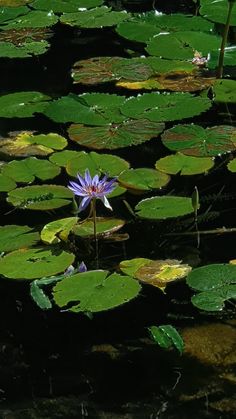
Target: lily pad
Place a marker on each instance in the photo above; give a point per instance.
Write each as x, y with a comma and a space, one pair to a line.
6, 183
143, 179
26, 143
34, 263
88, 108
94, 18
26, 170
104, 227
181, 45
61, 158
32, 19
58, 230
111, 136
97, 164
22, 104
95, 291
232, 166
14, 3
14, 237
217, 11
25, 50
40, 197
194, 140
184, 165
9, 13
164, 107
163, 207
64, 6
225, 91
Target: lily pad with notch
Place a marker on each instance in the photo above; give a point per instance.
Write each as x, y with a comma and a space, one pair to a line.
22, 104
9, 13
184, 165
164, 207
194, 140
27, 170
13, 237
32, 19
143, 179
58, 230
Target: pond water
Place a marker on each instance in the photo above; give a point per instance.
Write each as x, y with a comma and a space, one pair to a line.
130, 89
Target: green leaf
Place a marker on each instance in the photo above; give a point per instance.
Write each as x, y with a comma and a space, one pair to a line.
25, 144
96, 164
182, 45
127, 133
194, 140
129, 267
22, 104
32, 19
143, 179
211, 277
62, 158
232, 166
13, 237
94, 18
95, 291
63, 6
225, 91
39, 296
162, 207
164, 107
26, 49
34, 263
6, 184
58, 230
166, 337
208, 301
40, 197
185, 165
104, 227
217, 11
26, 170
9, 13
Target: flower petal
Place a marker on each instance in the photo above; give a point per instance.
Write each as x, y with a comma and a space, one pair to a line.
87, 177
106, 202
84, 203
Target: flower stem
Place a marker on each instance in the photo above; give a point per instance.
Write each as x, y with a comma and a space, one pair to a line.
95, 230
224, 40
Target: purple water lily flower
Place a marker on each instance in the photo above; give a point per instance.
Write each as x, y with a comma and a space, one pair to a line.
89, 188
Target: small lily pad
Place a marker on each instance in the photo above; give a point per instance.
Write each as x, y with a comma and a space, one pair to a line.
184, 165
163, 207
143, 179
26, 170
40, 197
14, 237
104, 227
22, 104
34, 263
58, 230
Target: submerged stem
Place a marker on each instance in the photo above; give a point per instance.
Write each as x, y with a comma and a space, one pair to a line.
224, 40
93, 207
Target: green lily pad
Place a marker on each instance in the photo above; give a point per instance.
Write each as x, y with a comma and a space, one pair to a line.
61, 158
104, 227
27, 49
184, 165
182, 45
208, 301
194, 140
22, 104
14, 3
163, 207
129, 267
225, 91
95, 291
94, 18
111, 136
143, 179
89, 108
232, 166
32, 19
13, 237
6, 183
164, 107
58, 230
147, 25
34, 263
40, 197
26, 143
64, 6
166, 337
9, 13
97, 164
26, 170
217, 11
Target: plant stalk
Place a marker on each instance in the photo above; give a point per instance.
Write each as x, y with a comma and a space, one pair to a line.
224, 40
95, 230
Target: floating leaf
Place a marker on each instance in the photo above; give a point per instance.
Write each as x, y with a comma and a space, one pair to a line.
13, 3
185, 165
32, 19
22, 104
14, 237
34, 263
63, 6
25, 50
166, 337
97, 164
164, 107
194, 140
94, 18
181, 45
6, 184
9, 13
217, 11
24, 42
89, 108
39, 296
27, 143
26, 170
143, 179
95, 291
104, 227
62, 158
40, 197
111, 136
225, 91
58, 230
162, 207
232, 166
